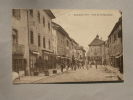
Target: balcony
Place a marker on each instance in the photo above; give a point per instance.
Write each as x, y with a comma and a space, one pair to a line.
18, 49
33, 47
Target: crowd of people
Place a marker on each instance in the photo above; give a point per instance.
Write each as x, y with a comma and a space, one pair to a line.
64, 64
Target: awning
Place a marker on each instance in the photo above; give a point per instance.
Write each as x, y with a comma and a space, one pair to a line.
58, 56
118, 56
47, 51
34, 52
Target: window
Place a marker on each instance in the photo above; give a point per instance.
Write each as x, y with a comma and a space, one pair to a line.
39, 17
115, 37
39, 40
16, 13
49, 44
31, 12
15, 36
43, 21
110, 39
49, 26
31, 37
67, 43
120, 34
44, 42
80, 57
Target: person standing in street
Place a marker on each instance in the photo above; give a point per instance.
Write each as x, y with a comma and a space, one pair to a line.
73, 62
87, 65
62, 67
96, 64
91, 63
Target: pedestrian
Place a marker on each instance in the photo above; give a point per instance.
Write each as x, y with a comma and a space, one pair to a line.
96, 64
88, 65
73, 62
104, 63
62, 66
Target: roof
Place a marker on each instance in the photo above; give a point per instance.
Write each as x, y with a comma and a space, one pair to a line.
96, 42
81, 48
74, 41
59, 28
49, 12
87, 53
116, 25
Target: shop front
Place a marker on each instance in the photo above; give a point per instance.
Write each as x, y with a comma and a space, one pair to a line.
49, 58
19, 63
48, 61
119, 62
33, 56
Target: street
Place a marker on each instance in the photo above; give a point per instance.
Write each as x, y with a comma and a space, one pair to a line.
81, 75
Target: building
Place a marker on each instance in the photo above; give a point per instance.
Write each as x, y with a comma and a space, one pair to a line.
75, 46
95, 53
34, 32
81, 55
62, 44
115, 46
66, 48
40, 39
105, 50
20, 41
54, 35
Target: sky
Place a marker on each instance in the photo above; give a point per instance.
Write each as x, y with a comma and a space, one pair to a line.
83, 25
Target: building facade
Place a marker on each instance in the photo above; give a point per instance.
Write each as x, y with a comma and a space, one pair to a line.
75, 46
115, 46
67, 49
61, 44
81, 55
54, 35
20, 47
41, 48
105, 51
95, 52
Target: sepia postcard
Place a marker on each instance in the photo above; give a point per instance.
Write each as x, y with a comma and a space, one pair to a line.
66, 46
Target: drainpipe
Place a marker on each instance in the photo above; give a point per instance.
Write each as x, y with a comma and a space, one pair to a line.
29, 69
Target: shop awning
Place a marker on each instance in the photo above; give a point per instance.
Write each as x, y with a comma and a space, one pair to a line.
118, 56
34, 52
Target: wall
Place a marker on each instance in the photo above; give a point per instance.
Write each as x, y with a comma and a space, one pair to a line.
95, 51
60, 43
54, 40
115, 47
39, 28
